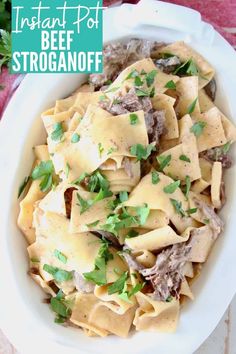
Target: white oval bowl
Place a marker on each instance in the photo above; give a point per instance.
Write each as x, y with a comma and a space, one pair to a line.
24, 318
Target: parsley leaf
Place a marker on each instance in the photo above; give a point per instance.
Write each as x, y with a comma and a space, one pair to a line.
98, 275
187, 68
100, 149
132, 233
184, 158
67, 171
5, 48
133, 118
111, 150
191, 211
93, 224
178, 206
132, 75
59, 255
188, 186
171, 188
163, 161
22, 186
197, 128
192, 106
81, 178
58, 132
150, 77
84, 204
123, 196
142, 214
170, 85
142, 152
138, 81
45, 169
75, 138
118, 285
155, 177
60, 307
58, 274
98, 181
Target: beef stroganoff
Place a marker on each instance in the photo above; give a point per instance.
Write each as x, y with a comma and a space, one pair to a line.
120, 208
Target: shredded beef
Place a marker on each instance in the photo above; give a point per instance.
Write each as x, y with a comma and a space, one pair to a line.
222, 194
168, 65
210, 89
155, 120
117, 56
131, 261
167, 274
209, 214
83, 285
216, 154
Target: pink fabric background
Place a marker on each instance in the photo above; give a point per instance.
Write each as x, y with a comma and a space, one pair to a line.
220, 13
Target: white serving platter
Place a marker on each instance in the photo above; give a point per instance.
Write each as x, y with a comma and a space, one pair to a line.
25, 319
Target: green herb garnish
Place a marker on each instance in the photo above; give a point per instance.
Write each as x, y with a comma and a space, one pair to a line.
58, 274
171, 188
184, 158
163, 161
111, 150
123, 196
150, 77
178, 206
191, 211
58, 132
67, 171
132, 233
60, 307
187, 68
170, 85
100, 149
192, 106
133, 118
155, 177
138, 81
93, 224
59, 255
132, 75
142, 152
75, 138
188, 186
118, 285
45, 171
197, 128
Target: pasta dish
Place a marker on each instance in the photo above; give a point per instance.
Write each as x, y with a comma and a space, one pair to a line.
120, 210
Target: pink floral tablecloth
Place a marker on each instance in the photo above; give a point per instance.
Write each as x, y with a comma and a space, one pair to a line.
220, 13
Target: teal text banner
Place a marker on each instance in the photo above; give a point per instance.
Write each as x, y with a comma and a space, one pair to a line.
57, 36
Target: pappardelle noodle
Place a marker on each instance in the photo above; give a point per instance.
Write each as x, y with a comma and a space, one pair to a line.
120, 208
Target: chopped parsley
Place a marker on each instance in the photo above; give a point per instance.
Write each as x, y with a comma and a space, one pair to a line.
111, 150
155, 177
123, 196
141, 92
132, 233
178, 206
93, 224
59, 255
163, 161
133, 118
138, 81
75, 138
118, 285
132, 75
191, 211
169, 299
60, 306
188, 186
98, 181
23, 186
67, 171
192, 106
58, 132
81, 178
84, 204
197, 128
98, 275
206, 221
100, 149
187, 68
60, 275
152, 92
142, 152
150, 77
44, 171
170, 85
171, 188
184, 158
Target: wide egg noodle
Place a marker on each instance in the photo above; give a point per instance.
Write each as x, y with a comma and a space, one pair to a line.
216, 184
185, 52
166, 103
99, 132
187, 89
25, 218
154, 315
